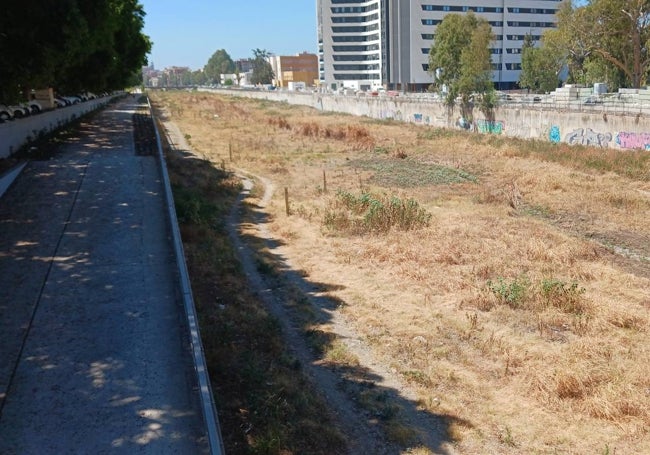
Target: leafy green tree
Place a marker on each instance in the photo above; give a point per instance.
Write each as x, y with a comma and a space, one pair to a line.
476, 70
460, 61
596, 69
220, 63
570, 40
615, 31
130, 46
262, 70
198, 77
621, 34
70, 45
540, 67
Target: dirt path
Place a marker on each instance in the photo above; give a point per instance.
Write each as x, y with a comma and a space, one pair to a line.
336, 386
339, 388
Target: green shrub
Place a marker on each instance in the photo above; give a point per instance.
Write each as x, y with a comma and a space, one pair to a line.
369, 213
549, 292
566, 297
512, 293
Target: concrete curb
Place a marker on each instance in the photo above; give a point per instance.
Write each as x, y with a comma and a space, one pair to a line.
210, 416
8, 177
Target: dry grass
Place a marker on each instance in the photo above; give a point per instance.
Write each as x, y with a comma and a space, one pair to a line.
563, 368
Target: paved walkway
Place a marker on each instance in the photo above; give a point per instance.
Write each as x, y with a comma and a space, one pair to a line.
93, 357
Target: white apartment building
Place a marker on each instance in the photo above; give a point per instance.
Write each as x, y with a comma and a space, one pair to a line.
365, 44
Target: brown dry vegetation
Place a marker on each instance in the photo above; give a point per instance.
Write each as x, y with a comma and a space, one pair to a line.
521, 309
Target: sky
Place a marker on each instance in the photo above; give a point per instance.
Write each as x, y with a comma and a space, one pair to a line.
188, 32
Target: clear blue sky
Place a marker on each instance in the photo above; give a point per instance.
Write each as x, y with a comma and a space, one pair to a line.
188, 32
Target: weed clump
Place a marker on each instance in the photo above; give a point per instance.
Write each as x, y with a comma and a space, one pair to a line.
521, 293
513, 293
279, 122
369, 213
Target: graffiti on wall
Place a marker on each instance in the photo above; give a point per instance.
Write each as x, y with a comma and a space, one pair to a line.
633, 140
554, 134
419, 118
391, 114
463, 123
492, 127
587, 136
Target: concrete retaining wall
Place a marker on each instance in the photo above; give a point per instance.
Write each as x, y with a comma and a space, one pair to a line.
607, 125
14, 134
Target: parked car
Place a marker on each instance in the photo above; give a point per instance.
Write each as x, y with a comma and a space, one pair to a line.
34, 107
19, 111
5, 113
72, 99
593, 100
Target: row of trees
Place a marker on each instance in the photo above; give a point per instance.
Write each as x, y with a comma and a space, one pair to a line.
221, 63
218, 64
601, 41
71, 45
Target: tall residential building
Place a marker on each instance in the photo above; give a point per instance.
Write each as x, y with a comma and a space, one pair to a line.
370, 43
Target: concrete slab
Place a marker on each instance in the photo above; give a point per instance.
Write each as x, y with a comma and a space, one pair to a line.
93, 350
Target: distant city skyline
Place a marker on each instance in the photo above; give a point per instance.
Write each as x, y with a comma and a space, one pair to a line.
187, 33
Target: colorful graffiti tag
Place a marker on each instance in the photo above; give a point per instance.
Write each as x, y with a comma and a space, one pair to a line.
554, 134
419, 118
633, 140
464, 124
587, 136
390, 114
492, 127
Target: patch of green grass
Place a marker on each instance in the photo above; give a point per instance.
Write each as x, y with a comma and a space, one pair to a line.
438, 133
370, 213
418, 377
521, 293
538, 211
512, 293
564, 296
191, 207
407, 173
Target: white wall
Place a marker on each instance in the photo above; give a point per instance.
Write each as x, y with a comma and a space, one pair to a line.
16, 133
605, 125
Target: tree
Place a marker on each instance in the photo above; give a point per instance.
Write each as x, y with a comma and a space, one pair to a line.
70, 45
262, 71
596, 69
220, 63
460, 61
476, 70
198, 77
616, 31
621, 35
540, 67
571, 39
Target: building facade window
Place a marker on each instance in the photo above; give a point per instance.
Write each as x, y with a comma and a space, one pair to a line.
365, 43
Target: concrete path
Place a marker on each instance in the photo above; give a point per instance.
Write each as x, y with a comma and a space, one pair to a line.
93, 350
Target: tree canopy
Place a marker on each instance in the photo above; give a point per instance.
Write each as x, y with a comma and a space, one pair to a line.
262, 71
605, 38
460, 60
540, 67
220, 63
71, 45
